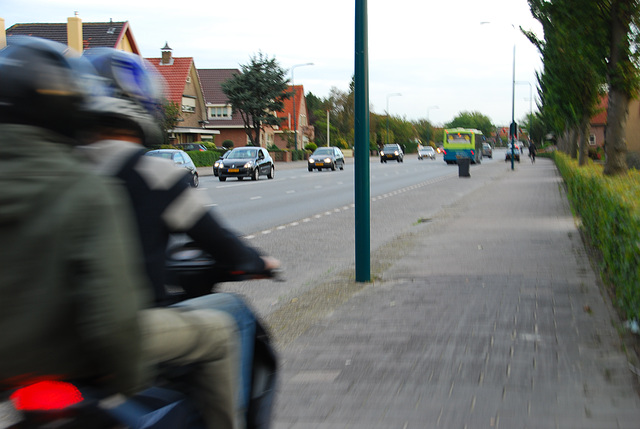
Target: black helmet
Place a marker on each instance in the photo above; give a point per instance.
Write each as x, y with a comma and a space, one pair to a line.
42, 85
134, 93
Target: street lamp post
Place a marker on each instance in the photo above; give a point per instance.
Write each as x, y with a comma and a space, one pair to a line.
512, 127
295, 114
389, 96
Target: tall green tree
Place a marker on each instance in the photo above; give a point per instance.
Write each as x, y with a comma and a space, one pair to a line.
258, 93
573, 52
472, 120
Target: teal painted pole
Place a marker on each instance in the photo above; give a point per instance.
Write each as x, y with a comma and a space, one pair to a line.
361, 150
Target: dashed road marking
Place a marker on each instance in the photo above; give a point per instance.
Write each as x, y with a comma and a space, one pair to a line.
347, 207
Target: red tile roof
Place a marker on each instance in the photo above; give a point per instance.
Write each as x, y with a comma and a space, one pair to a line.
175, 75
288, 106
94, 34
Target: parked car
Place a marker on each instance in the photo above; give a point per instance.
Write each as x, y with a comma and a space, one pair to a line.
216, 165
426, 152
192, 146
516, 154
247, 161
180, 159
487, 150
326, 157
391, 152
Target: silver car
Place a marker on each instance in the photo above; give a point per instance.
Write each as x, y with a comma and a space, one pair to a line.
426, 152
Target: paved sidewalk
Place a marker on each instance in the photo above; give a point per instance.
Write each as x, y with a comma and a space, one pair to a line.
492, 319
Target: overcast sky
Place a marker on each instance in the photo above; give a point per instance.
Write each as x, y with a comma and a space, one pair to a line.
436, 53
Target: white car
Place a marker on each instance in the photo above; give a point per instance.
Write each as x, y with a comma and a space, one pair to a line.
426, 152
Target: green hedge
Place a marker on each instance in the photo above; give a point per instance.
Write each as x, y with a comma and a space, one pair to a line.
610, 213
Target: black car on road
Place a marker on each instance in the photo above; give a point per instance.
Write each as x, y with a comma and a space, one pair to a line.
247, 161
326, 157
391, 152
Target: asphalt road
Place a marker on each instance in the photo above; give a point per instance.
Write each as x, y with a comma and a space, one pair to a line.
313, 235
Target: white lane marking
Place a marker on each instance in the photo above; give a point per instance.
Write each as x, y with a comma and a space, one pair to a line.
352, 205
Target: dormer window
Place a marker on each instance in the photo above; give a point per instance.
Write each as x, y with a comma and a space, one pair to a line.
220, 112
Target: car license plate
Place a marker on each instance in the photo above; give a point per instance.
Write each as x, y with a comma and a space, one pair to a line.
234, 170
318, 164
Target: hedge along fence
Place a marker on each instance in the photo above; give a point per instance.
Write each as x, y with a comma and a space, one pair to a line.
610, 213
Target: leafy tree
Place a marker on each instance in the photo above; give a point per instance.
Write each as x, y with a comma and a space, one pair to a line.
258, 93
171, 114
474, 120
574, 54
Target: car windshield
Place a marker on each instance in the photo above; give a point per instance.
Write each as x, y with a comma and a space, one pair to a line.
323, 152
167, 155
428, 149
390, 147
243, 154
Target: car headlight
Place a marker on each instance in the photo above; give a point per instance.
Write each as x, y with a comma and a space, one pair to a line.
395, 153
311, 161
382, 153
217, 164
327, 160
248, 164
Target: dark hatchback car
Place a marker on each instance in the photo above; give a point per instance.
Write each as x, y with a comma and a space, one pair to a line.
216, 165
391, 152
248, 161
180, 159
326, 157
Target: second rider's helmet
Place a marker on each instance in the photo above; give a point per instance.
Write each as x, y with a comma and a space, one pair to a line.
133, 96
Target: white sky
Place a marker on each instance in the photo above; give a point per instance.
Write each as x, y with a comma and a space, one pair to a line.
435, 53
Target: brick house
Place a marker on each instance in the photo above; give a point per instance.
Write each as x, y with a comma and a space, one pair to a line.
598, 125
221, 116
78, 35
294, 107
184, 89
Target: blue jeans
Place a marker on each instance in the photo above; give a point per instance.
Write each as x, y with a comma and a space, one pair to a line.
246, 321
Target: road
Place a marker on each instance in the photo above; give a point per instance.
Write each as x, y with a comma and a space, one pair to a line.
297, 194
306, 219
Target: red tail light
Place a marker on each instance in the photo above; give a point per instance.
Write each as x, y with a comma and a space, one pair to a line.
472, 153
444, 152
46, 395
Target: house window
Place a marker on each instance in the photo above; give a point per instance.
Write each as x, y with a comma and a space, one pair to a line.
220, 112
188, 104
592, 139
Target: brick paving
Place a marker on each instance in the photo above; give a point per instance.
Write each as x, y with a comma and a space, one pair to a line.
512, 332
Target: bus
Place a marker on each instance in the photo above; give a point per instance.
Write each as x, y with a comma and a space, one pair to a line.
465, 142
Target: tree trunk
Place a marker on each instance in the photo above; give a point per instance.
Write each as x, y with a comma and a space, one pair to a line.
573, 142
615, 141
583, 149
617, 112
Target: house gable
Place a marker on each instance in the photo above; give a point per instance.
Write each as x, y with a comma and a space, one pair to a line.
94, 34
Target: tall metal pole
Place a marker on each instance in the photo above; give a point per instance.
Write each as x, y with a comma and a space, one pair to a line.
328, 135
295, 114
362, 179
513, 107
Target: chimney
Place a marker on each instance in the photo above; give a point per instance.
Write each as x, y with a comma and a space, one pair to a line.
3, 34
74, 33
166, 55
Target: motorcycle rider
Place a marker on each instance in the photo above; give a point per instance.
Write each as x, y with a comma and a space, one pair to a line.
71, 278
126, 120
